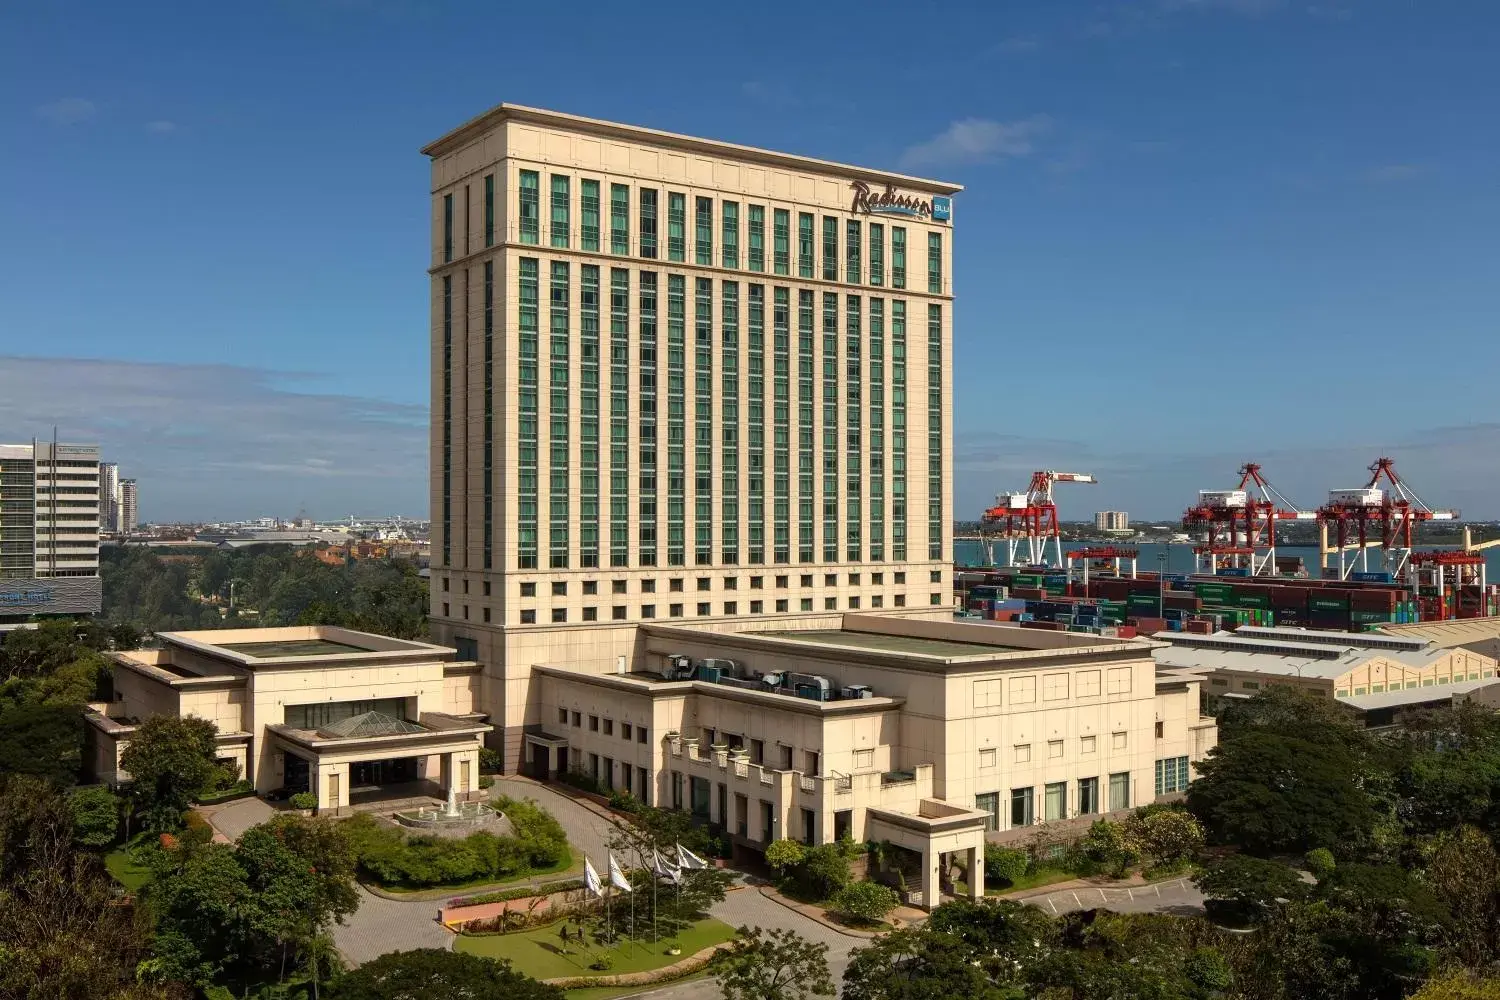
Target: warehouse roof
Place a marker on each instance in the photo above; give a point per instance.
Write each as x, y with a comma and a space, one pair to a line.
1285, 652
1449, 634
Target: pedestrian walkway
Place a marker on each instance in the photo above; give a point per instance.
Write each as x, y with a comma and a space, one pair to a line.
232, 819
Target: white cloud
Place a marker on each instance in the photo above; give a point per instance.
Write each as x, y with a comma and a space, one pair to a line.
976, 140
161, 126
219, 441
68, 110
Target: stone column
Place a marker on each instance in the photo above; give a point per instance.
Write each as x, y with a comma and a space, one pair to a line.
976, 872
449, 772
931, 883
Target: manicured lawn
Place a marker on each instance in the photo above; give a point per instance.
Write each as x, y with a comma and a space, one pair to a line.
1035, 880
538, 952
563, 865
124, 868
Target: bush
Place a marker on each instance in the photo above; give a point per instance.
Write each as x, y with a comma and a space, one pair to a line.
1106, 848
868, 902
521, 892
624, 802
237, 790
195, 829
390, 857
581, 781
1207, 970
489, 761
303, 800
96, 816
784, 855
1169, 836
1320, 862
486, 782
824, 870
1004, 864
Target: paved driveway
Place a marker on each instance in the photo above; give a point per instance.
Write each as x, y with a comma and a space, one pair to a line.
233, 818
587, 831
1178, 896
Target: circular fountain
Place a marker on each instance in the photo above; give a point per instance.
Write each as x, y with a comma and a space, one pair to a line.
454, 816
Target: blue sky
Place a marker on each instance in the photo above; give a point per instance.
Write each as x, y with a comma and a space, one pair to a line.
1194, 232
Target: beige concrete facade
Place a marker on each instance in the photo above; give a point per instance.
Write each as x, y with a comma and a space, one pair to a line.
980, 726
276, 693
633, 423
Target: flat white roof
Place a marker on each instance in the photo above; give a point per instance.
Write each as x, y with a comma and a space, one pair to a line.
1283, 652
1415, 696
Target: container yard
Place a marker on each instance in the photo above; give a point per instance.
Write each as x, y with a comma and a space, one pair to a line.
1038, 597
1370, 574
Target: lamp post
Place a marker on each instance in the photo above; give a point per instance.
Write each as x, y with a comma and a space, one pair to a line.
1161, 584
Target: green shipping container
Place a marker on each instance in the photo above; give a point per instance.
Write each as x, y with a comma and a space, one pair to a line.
1212, 591
1328, 603
1252, 600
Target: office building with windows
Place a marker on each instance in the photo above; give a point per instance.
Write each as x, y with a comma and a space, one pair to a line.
677, 380
49, 530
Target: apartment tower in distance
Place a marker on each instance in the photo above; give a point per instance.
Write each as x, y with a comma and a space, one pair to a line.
1111, 520
677, 381
129, 507
109, 497
49, 530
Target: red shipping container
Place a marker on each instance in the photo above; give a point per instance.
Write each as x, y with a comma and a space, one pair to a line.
1289, 597
1125, 631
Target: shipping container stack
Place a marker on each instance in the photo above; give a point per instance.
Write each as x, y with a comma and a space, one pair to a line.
1042, 598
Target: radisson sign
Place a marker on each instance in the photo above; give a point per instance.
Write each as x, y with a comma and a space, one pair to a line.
889, 202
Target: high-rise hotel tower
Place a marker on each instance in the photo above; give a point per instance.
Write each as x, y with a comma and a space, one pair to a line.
677, 380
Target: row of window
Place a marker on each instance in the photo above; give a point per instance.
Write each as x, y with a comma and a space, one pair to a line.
1055, 804
581, 224
782, 605
988, 756
678, 584
603, 724
865, 531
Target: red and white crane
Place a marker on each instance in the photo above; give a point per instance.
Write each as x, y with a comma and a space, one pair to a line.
1375, 516
1240, 524
1030, 517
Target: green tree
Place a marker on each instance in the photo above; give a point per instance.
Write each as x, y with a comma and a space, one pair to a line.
63, 935
438, 974
37, 652
41, 740
1267, 792
922, 964
96, 816
1463, 872
1459, 986
772, 965
865, 901
169, 759
1240, 888
784, 855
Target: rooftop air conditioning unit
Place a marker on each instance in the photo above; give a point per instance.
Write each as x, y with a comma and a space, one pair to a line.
857, 691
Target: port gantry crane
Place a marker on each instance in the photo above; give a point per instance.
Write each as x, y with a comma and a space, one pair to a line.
1389, 513
1240, 524
1030, 516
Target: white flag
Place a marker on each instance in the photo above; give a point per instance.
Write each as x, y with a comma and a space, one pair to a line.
661, 869
687, 859
617, 877
591, 878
